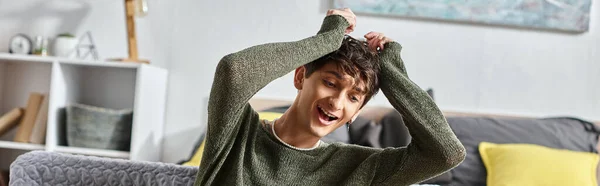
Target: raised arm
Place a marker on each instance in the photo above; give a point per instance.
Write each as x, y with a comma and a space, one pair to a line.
434, 148
241, 74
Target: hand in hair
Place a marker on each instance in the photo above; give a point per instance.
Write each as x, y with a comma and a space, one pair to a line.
376, 39
346, 13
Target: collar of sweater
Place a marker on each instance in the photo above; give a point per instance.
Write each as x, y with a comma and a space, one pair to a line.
288, 145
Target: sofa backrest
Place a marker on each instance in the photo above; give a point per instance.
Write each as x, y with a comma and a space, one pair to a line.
561, 133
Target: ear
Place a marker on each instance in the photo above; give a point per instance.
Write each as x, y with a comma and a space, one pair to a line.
299, 77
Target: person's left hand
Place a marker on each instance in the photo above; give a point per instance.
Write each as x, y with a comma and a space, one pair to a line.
376, 40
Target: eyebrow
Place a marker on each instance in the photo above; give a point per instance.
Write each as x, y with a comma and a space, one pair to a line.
339, 76
336, 74
360, 90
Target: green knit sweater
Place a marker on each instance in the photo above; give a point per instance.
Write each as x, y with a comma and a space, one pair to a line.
240, 151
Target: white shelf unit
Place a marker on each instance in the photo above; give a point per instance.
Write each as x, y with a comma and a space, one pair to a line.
113, 85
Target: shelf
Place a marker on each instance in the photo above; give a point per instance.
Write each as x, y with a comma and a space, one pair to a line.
107, 87
50, 59
99, 63
93, 152
21, 146
19, 79
107, 84
24, 58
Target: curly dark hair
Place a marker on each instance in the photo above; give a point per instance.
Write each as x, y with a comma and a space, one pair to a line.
356, 59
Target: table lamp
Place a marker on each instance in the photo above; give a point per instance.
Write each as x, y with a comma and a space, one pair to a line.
133, 8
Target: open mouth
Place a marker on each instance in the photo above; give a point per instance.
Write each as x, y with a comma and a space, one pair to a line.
326, 116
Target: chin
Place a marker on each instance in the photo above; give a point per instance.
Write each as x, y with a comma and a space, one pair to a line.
319, 130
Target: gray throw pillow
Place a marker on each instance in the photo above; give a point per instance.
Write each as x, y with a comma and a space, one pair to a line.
365, 132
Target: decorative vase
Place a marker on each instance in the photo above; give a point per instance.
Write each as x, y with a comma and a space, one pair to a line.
96, 127
64, 46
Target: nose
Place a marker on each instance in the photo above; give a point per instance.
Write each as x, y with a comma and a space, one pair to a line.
336, 102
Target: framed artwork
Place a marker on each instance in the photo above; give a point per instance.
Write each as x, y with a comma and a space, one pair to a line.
561, 15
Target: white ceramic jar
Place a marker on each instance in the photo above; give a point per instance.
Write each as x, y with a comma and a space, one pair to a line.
64, 46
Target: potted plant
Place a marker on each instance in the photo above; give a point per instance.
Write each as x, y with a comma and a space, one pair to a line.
64, 45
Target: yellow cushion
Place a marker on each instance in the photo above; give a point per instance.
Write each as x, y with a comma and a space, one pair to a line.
197, 157
195, 160
269, 115
533, 165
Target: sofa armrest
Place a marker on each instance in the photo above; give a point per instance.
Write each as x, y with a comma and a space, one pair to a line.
51, 168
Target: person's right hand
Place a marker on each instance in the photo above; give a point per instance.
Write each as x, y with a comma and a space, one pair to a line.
346, 13
376, 40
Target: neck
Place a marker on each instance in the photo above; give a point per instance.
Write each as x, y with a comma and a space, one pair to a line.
289, 128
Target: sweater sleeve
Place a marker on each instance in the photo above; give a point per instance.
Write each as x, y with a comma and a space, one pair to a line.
434, 148
242, 74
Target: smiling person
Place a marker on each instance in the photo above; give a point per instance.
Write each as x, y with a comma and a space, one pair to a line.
335, 76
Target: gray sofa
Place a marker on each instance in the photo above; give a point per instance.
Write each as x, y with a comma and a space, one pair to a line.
45, 168
560, 132
50, 168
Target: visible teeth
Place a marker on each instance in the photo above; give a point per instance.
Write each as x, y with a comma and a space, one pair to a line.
326, 113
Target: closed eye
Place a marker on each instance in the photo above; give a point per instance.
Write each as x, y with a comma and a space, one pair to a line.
354, 98
328, 83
